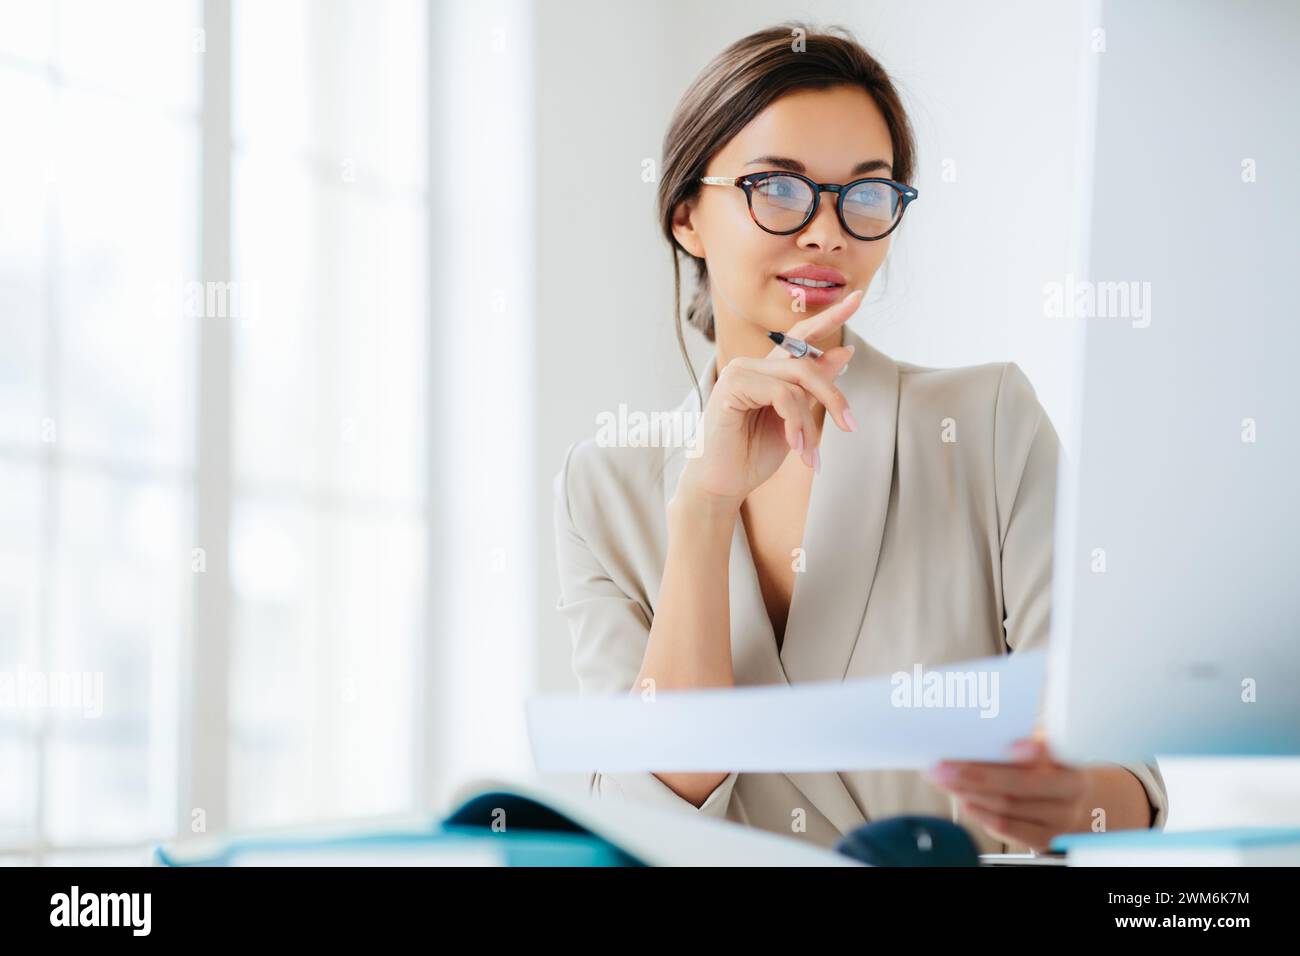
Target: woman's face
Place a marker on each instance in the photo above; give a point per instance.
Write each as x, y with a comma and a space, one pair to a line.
834, 135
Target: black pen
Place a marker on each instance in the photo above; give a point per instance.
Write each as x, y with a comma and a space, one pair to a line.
796, 347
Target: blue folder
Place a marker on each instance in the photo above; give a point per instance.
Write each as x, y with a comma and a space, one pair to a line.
537, 835
1229, 838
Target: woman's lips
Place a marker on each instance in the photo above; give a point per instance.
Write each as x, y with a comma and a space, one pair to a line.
812, 295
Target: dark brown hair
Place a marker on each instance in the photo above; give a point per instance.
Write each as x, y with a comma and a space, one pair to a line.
734, 88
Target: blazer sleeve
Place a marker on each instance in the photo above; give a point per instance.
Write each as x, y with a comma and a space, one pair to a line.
610, 631
1026, 449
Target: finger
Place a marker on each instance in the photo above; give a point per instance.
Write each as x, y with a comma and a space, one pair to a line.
828, 320
788, 402
823, 323
746, 389
849, 351
1024, 752
1031, 750
1048, 782
1012, 830
1030, 809
834, 361
1066, 785
811, 380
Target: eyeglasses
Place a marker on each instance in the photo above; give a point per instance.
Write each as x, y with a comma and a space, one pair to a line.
783, 203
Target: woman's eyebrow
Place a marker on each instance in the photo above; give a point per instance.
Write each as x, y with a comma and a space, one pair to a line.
784, 162
871, 166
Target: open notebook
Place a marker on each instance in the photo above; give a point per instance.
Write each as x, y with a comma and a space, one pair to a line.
516, 823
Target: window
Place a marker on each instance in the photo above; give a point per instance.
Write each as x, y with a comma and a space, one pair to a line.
214, 389
328, 220
98, 187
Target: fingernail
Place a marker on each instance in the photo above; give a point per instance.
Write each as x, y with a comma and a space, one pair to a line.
817, 461
798, 440
852, 422
842, 370
943, 773
1023, 750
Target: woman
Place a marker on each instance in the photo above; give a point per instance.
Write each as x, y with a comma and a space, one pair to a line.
845, 516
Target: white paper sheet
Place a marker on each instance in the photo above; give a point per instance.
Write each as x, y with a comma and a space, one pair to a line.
972, 710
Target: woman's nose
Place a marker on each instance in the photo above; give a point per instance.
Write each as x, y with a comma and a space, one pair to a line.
824, 231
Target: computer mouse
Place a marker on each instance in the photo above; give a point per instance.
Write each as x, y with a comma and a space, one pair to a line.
910, 841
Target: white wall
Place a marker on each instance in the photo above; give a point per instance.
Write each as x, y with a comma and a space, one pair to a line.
995, 88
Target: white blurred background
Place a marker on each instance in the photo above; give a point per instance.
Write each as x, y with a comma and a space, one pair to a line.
241, 473
250, 507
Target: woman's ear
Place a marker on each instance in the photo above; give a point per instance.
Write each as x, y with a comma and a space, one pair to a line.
684, 229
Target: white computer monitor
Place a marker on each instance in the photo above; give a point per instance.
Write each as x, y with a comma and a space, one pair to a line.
1176, 607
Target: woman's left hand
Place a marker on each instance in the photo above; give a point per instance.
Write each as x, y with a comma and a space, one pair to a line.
1028, 801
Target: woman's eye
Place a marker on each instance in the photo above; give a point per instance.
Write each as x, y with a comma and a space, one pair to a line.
868, 197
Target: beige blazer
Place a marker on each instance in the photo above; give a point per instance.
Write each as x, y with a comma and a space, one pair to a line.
919, 550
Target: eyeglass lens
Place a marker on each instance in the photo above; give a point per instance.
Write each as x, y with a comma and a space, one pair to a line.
782, 203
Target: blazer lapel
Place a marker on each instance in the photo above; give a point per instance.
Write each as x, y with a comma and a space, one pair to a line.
845, 523
842, 537
841, 542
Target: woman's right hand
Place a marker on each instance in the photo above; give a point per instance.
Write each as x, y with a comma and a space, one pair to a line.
760, 410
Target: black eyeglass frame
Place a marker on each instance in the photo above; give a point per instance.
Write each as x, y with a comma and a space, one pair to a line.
747, 183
